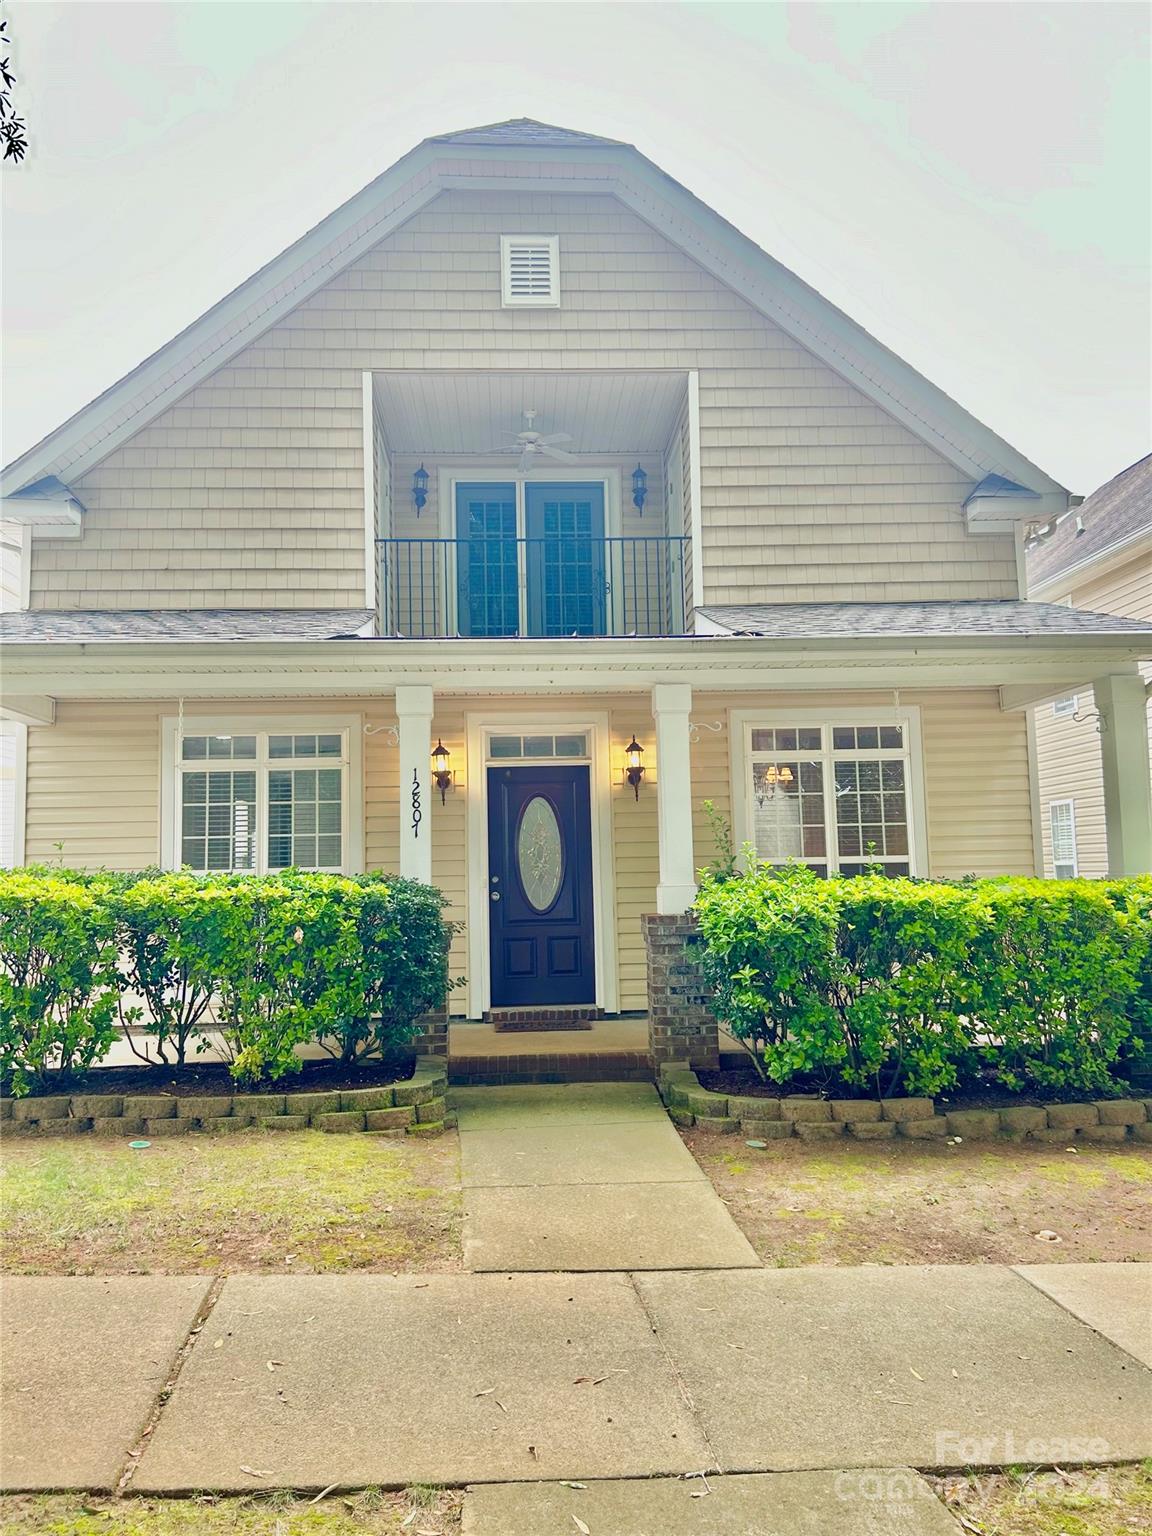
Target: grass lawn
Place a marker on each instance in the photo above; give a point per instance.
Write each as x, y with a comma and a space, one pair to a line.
1102, 1501
919, 1203
370, 1513
257, 1202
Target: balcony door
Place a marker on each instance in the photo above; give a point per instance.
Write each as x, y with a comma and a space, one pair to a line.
530, 559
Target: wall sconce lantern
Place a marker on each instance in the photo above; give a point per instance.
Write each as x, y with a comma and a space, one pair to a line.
633, 754
441, 772
639, 489
420, 489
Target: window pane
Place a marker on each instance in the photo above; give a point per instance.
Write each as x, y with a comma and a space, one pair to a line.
810, 738
571, 746
231, 746
787, 810
870, 824
891, 736
887, 867
867, 736
843, 738
218, 820
504, 746
328, 746
279, 746
195, 748
304, 818
537, 746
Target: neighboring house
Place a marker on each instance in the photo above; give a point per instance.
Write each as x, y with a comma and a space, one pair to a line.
1098, 557
521, 465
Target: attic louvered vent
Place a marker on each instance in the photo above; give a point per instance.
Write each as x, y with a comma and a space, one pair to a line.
530, 270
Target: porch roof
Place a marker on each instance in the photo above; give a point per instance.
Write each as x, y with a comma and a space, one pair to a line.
966, 618
157, 625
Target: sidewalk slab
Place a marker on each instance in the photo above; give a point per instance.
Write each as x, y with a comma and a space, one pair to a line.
1115, 1299
602, 1227
918, 1366
518, 1106
566, 1154
83, 1361
438, 1379
870, 1503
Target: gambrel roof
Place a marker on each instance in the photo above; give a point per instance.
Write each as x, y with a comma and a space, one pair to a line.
532, 156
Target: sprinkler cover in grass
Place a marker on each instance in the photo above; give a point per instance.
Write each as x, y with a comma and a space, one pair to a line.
138, 1146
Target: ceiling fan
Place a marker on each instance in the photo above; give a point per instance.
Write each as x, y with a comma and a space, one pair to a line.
532, 445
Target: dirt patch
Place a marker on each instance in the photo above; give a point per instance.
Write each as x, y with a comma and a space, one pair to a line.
258, 1202
1091, 1501
413, 1512
197, 1080
930, 1203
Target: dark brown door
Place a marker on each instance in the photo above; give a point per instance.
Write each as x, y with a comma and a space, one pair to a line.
540, 887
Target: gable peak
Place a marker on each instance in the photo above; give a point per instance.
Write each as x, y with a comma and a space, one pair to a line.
526, 131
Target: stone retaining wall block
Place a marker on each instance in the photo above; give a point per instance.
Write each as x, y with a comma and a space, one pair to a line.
204, 1109
48, 1108
977, 1123
871, 1130
1057, 1137
434, 1109
705, 1105
312, 1103
1104, 1133
807, 1111
86, 1106
367, 1098
5, 1109
854, 1110
339, 1120
149, 1106
932, 1129
427, 1128
682, 1117
1023, 1118
718, 1125
225, 1125
117, 1125
754, 1108
68, 1127
283, 1122
766, 1130
1121, 1111
819, 1130
167, 1125
1142, 1132
390, 1119
1070, 1117
257, 1104
907, 1109
415, 1091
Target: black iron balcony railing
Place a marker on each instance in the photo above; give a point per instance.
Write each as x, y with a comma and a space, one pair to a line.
490, 586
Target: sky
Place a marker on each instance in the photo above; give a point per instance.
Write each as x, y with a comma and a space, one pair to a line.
970, 182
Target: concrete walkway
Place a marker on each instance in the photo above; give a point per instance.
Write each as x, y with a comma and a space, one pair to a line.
355, 1380
586, 1176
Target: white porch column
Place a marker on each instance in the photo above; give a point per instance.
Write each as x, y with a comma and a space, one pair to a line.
671, 706
414, 712
1122, 702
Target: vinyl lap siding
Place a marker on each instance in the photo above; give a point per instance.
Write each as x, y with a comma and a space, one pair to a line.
249, 491
1068, 751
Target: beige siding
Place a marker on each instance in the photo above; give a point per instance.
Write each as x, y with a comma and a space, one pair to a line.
1068, 750
249, 491
94, 788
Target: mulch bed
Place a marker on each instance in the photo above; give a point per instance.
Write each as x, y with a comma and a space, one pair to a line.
202, 1079
746, 1084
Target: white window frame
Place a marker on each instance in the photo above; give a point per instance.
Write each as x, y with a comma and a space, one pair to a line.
351, 727
744, 722
1074, 862
1064, 708
531, 301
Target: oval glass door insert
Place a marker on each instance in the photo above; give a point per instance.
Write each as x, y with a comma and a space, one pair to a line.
540, 853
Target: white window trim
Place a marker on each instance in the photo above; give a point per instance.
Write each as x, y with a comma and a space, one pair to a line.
1075, 860
352, 726
513, 301
480, 727
744, 721
19, 736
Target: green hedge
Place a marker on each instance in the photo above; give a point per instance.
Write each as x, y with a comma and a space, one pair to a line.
897, 985
267, 963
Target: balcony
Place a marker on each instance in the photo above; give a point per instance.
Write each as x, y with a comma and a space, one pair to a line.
567, 584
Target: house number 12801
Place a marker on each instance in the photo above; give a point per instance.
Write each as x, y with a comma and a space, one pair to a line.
417, 813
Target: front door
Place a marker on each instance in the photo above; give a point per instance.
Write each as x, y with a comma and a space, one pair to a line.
540, 886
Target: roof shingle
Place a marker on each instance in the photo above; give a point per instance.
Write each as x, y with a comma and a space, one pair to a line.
999, 619
1116, 512
77, 627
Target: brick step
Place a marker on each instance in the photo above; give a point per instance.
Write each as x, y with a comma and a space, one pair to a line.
534, 1020
552, 1067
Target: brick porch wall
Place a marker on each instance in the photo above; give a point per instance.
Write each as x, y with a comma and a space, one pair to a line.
433, 1037
681, 1026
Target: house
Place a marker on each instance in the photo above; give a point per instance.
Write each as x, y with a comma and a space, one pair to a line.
519, 510
1097, 557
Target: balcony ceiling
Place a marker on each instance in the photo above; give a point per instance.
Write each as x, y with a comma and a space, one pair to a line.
471, 413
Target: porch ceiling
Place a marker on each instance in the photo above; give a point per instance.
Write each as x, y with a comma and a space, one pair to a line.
448, 412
